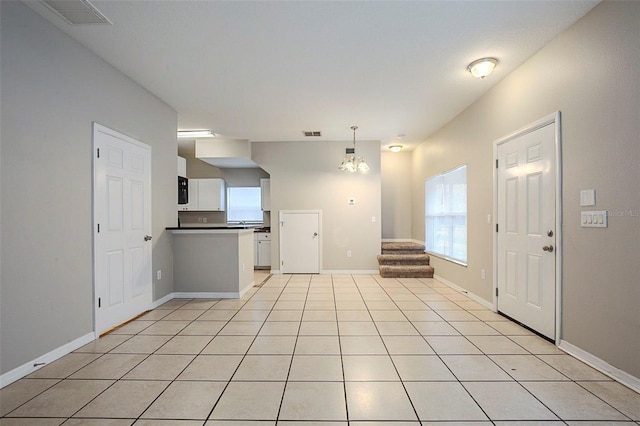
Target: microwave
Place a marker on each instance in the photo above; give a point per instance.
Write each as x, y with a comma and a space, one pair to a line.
183, 190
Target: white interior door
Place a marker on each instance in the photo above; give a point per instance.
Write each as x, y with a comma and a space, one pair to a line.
122, 224
526, 218
300, 242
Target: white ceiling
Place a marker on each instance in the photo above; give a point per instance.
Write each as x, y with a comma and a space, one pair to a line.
269, 70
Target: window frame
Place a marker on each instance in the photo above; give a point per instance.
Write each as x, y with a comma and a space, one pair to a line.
229, 209
446, 191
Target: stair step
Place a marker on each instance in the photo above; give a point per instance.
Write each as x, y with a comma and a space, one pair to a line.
403, 259
402, 248
406, 271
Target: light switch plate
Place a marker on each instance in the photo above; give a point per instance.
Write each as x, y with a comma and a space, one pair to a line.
588, 197
593, 219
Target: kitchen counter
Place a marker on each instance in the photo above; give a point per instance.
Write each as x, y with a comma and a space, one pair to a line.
211, 226
212, 261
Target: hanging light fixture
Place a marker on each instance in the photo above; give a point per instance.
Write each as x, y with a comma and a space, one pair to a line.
351, 161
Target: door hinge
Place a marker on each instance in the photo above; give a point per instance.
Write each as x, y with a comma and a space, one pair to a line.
99, 302
496, 163
98, 228
98, 152
282, 263
496, 291
496, 227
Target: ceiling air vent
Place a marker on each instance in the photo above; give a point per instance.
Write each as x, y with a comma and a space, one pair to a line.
77, 12
313, 133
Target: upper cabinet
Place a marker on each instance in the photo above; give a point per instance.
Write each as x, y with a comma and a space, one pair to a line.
182, 167
265, 189
206, 195
211, 194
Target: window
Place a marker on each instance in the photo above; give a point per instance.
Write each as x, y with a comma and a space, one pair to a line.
244, 204
446, 215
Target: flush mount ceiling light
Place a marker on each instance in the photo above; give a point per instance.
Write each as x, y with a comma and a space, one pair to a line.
395, 148
482, 67
351, 162
195, 134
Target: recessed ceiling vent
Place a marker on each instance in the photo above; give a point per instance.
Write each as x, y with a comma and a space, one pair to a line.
312, 133
77, 12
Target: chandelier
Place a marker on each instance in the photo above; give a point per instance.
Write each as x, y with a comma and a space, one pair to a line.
351, 161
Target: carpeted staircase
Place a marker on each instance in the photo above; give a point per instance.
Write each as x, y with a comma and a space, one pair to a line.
404, 260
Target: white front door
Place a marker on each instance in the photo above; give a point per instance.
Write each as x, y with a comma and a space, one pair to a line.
122, 228
526, 237
300, 242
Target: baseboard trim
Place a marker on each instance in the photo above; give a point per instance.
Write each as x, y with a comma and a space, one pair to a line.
31, 366
162, 301
205, 295
247, 288
602, 366
339, 272
472, 296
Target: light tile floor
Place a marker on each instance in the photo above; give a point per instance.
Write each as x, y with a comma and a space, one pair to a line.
341, 349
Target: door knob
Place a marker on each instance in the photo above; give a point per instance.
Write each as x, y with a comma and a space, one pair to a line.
315, 234
548, 248
147, 237
549, 233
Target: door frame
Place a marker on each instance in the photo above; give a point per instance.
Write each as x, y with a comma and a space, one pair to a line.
553, 119
283, 212
96, 127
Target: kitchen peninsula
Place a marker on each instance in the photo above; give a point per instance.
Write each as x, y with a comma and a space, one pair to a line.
212, 261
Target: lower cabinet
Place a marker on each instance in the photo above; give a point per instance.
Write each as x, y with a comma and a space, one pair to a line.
262, 249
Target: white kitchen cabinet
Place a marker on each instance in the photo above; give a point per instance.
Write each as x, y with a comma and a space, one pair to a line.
205, 195
182, 167
265, 189
262, 249
211, 194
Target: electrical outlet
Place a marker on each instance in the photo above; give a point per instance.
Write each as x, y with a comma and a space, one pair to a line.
199, 220
204, 220
348, 253
159, 274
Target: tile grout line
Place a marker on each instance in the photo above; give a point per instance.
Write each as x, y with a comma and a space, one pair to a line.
188, 364
413, 407
245, 354
388, 291
286, 382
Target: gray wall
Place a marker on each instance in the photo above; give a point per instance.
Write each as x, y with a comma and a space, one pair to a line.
591, 73
396, 195
305, 176
52, 90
